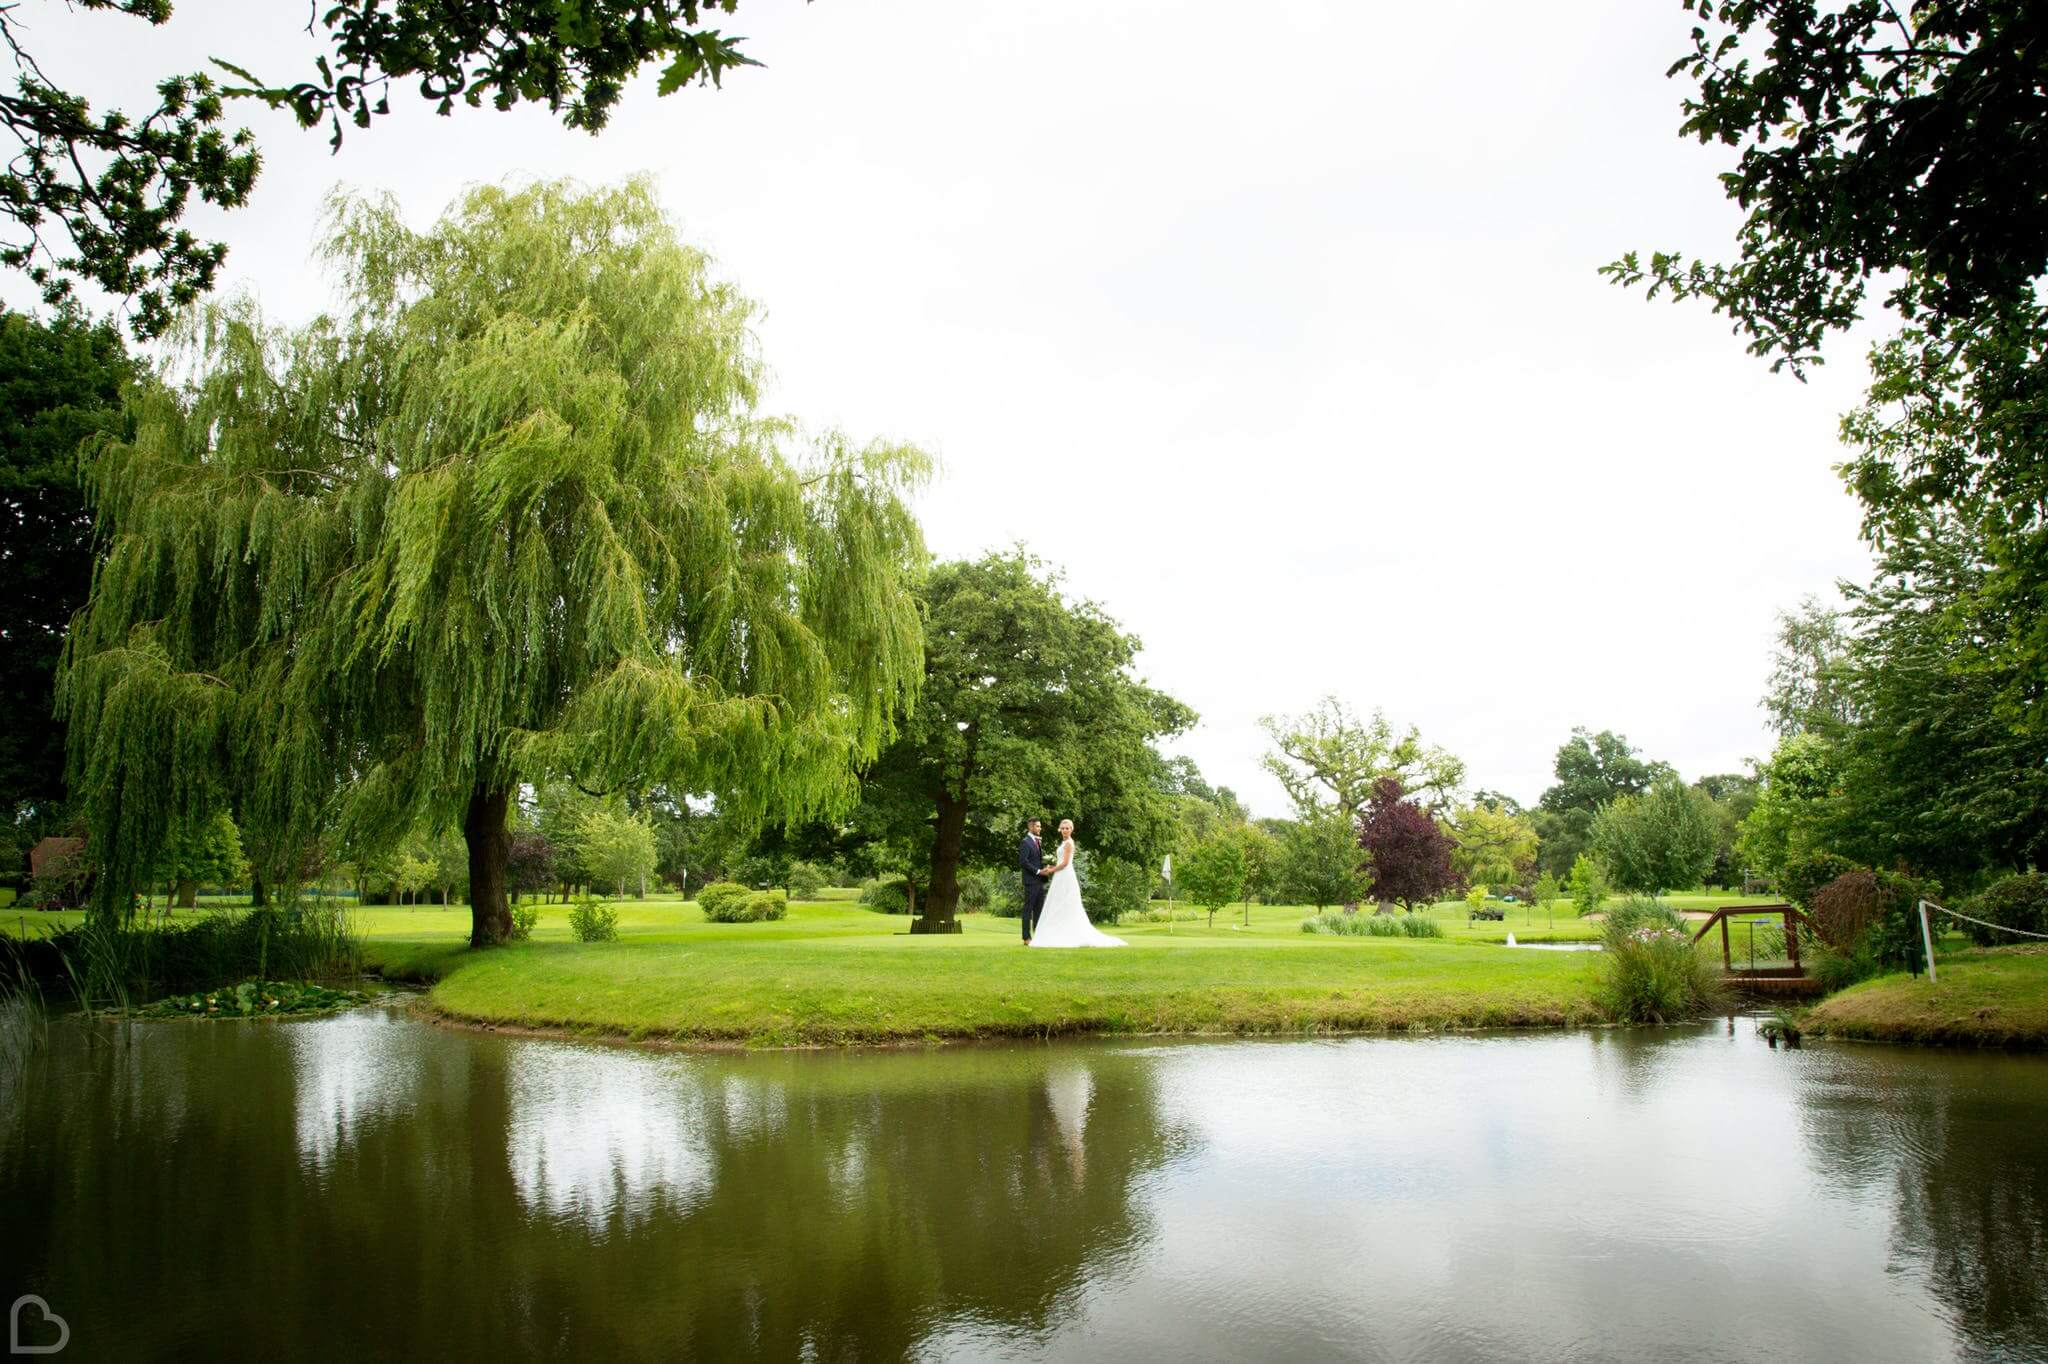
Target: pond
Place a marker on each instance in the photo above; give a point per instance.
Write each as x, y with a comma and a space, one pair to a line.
368, 1186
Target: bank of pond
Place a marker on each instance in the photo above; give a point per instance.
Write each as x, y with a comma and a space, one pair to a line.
835, 974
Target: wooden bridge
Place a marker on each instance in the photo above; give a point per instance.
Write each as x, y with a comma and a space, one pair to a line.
1776, 981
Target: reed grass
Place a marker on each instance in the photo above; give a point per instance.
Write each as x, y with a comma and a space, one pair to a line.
1374, 925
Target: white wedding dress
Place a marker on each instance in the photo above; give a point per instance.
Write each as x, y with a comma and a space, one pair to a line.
1063, 923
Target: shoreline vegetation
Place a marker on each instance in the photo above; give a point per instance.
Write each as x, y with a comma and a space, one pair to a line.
835, 974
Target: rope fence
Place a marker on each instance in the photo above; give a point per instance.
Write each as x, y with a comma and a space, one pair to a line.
1927, 934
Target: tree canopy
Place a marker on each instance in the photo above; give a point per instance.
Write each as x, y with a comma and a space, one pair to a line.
1408, 853
510, 514
103, 196
1029, 707
1329, 755
1930, 772
1871, 137
1657, 841
1495, 847
1320, 860
1592, 770
61, 381
1902, 143
1805, 690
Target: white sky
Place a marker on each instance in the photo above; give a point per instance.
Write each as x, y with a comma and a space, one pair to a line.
1276, 326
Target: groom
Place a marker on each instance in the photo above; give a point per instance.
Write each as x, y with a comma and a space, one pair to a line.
1029, 861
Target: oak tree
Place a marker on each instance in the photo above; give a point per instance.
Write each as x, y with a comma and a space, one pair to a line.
1029, 707
1330, 755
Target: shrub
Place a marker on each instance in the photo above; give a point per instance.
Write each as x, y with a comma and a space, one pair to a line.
1374, 925
1843, 910
1650, 972
1802, 876
593, 922
1839, 970
1114, 888
2016, 902
749, 907
975, 892
524, 917
1874, 913
713, 898
1006, 896
805, 880
890, 895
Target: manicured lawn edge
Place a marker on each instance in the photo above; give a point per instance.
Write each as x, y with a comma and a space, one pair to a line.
1996, 999
1238, 1018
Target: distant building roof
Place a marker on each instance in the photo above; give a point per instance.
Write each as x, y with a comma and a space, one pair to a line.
52, 851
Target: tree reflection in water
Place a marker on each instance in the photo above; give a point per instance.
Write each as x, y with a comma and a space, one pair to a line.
369, 1186
317, 1190
1954, 1141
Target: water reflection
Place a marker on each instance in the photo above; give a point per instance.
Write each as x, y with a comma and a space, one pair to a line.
607, 1138
1959, 1167
360, 1068
371, 1186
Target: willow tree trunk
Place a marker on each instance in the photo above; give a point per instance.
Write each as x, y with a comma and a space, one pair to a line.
490, 849
942, 896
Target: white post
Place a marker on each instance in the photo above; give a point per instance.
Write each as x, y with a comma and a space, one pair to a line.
1927, 941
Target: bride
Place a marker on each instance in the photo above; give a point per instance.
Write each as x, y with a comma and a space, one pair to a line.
1063, 923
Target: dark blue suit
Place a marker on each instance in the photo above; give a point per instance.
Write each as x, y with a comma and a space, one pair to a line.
1034, 885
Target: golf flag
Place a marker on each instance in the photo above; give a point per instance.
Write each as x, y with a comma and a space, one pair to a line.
1166, 868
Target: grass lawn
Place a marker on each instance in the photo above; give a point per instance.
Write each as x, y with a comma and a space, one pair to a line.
1993, 998
833, 973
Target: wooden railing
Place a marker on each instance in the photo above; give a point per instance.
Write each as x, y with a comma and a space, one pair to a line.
1790, 915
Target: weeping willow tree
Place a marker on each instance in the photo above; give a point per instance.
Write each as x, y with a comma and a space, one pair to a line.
508, 514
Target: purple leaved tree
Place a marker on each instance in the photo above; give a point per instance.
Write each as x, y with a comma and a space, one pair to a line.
1408, 856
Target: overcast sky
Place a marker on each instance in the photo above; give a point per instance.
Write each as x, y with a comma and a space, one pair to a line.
1277, 327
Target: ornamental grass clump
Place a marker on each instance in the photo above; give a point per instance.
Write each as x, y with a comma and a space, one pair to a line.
1374, 925
1650, 972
